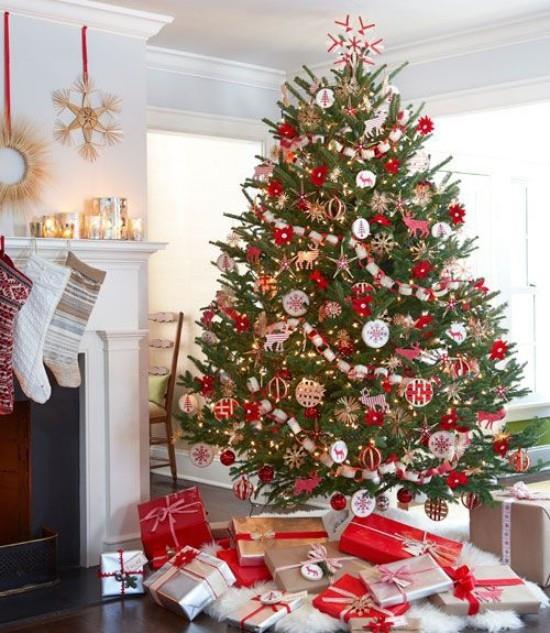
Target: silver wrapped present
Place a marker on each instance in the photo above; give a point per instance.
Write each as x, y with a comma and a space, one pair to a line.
189, 582
264, 610
121, 572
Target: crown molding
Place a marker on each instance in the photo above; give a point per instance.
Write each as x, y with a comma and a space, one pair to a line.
96, 15
216, 68
508, 33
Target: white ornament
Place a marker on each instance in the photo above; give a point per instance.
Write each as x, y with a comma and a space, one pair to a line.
442, 230
457, 332
324, 98
365, 179
419, 162
383, 147
201, 455
338, 451
225, 263
362, 503
209, 338
395, 134
442, 444
419, 392
189, 403
311, 571
375, 333
360, 228
295, 303
271, 597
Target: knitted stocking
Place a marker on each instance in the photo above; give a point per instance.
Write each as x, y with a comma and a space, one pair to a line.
48, 283
69, 321
14, 291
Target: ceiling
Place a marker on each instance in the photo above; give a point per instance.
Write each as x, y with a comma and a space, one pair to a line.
285, 34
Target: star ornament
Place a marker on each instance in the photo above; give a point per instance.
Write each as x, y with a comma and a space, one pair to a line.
87, 113
343, 263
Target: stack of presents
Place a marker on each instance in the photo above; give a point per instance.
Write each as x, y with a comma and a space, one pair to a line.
368, 578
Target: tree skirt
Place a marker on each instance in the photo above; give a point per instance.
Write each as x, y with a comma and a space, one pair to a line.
433, 620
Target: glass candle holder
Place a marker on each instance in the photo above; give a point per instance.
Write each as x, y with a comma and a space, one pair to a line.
36, 228
93, 227
50, 227
135, 229
69, 225
113, 213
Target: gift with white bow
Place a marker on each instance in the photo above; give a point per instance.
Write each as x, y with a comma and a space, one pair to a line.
264, 610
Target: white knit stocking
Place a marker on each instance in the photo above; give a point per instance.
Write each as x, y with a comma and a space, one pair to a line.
48, 283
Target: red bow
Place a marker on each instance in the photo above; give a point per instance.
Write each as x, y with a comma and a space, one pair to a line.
464, 582
184, 557
380, 625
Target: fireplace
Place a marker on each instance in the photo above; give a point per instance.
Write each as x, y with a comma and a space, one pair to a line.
105, 461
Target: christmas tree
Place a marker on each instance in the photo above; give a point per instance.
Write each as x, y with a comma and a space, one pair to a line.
348, 350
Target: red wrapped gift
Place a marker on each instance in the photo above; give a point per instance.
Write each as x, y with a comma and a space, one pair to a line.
380, 540
246, 576
349, 598
169, 523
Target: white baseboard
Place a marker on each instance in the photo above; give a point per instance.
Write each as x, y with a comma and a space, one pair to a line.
214, 475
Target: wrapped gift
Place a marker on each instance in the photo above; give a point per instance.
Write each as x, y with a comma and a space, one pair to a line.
520, 517
121, 572
405, 580
189, 582
169, 523
380, 540
221, 533
400, 623
246, 576
262, 611
310, 568
487, 588
349, 598
254, 534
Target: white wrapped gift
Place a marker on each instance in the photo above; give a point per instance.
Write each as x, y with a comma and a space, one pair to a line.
121, 572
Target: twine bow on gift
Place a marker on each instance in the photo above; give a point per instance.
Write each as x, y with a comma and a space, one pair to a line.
272, 600
442, 554
318, 554
168, 513
521, 492
126, 578
262, 537
355, 605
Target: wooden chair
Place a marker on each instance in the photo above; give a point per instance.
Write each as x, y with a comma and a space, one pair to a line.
163, 414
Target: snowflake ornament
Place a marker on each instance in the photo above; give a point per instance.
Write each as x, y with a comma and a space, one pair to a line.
352, 46
294, 457
201, 455
88, 113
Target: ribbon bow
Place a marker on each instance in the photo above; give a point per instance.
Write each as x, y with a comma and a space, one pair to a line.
442, 554
464, 582
319, 554
379, 625
167, 513
400, 577
184, 557
127, 579
522, 492
268, 535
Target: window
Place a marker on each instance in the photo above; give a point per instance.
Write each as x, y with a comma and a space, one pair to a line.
192, 181
501, 160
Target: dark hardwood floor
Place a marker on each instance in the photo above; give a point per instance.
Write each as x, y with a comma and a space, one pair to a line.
140, 614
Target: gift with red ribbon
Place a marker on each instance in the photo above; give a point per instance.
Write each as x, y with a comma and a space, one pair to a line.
380, 624
169, 523
121, 572
380, 540
406, 580
189, 582
349, 598
263, 611
254, 534
487, 588
246, 576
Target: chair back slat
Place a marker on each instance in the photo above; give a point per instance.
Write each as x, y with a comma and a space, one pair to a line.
161, 343
174, 367
158, 371
164, 317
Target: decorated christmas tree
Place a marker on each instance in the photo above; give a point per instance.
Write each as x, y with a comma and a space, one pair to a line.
348, 350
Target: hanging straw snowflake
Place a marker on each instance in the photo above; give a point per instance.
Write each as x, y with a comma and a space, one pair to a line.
90, 114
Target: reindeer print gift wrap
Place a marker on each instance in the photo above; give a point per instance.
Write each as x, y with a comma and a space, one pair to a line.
289, 566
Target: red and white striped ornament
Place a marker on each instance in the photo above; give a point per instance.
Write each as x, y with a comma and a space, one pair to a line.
243, 489
370, 457
419, 392
225, 408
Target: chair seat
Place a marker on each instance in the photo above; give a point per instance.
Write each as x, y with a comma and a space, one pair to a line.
156, 411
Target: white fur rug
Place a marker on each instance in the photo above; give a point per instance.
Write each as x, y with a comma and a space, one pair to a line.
433, 620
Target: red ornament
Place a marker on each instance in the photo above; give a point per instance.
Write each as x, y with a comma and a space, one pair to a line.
361, 305
311, 413
207, 317
207, 385
423, 321
242, 323
266, 474
457, 213
374, 418
227, 457
243, 489
501, 445
287, 131
519, 460
275, 188
370, 457
251, 411
424, 125
470, 500
318, 278
392, 166
338, 501
498, 351
283, 235
404, 496
318, 175
448, 421
421, 269
380, 219
253, 254
456, 478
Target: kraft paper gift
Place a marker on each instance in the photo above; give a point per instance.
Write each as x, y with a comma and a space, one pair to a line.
189, 582
400, 623
286, 563
263, 611
254, 534
121, 572
517, 529
487, 588
405, 580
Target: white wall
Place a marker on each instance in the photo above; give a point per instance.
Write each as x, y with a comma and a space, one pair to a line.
46, 56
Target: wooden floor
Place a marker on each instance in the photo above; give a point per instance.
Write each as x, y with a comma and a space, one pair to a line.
141, 615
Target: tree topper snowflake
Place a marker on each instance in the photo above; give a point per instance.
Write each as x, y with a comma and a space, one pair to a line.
352, 46
89, 113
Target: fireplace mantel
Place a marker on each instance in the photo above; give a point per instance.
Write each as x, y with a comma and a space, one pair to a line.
114, 428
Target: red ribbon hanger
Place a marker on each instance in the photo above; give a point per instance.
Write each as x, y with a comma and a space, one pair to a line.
84, 43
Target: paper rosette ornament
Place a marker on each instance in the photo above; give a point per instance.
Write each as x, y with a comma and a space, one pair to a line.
86, 113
